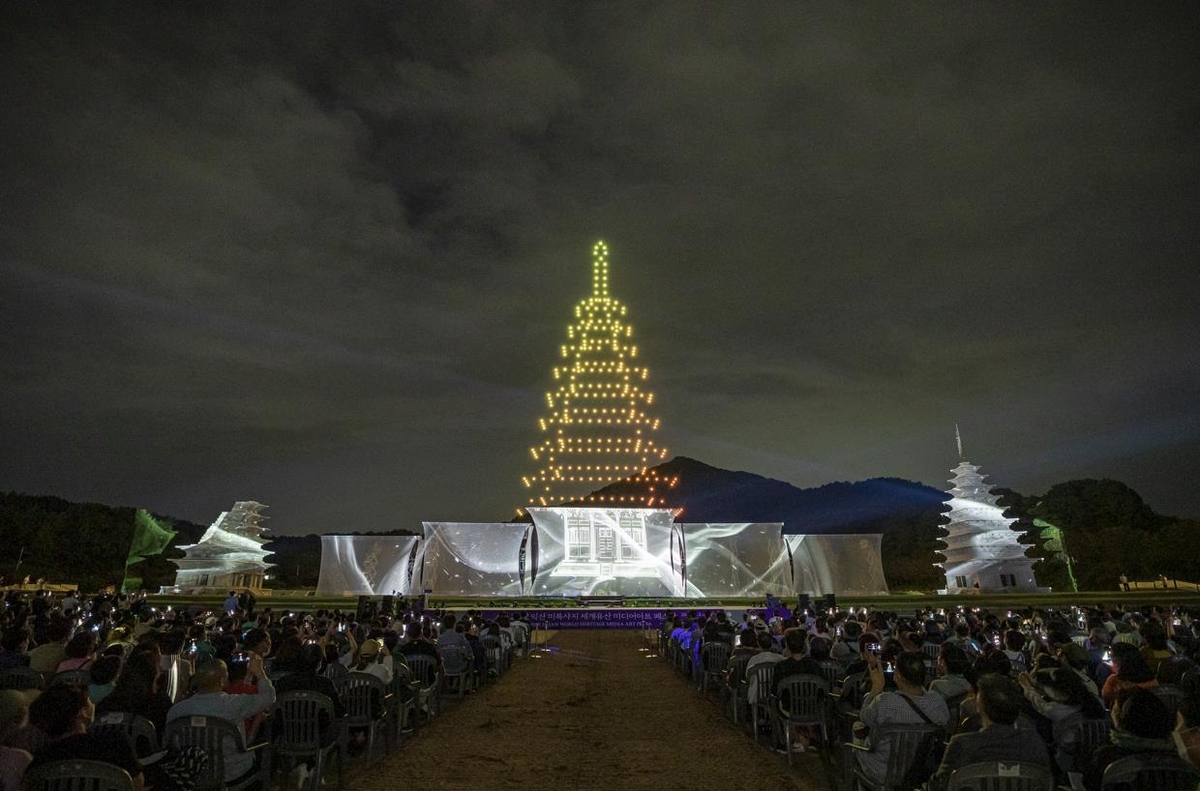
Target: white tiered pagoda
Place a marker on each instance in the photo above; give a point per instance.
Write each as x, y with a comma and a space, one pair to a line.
230, 554
983, 553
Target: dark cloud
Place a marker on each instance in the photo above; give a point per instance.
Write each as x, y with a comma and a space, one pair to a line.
323, 256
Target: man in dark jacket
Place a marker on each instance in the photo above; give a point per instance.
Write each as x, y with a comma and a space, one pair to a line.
998, 699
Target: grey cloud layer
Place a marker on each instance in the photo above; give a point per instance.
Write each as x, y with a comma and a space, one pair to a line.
323, 257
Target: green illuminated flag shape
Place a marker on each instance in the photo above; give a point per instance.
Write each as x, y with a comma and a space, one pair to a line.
150, 538
1053, 542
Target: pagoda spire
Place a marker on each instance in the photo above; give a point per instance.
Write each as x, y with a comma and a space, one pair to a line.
599, 269
958, 439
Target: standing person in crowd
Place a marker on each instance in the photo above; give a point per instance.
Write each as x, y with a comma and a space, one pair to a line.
998, 701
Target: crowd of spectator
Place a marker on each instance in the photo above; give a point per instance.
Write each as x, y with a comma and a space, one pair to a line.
1070, 691
68, 662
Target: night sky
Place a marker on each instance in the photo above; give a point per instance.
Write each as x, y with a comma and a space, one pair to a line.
323, 255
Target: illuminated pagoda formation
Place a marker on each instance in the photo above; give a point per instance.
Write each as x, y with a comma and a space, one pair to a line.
983, 553
600, 428
230, 555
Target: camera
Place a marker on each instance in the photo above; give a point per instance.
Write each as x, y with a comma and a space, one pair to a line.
241, 656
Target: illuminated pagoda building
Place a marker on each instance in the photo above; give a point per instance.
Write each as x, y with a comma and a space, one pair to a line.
230, 555
983, 553
600, 428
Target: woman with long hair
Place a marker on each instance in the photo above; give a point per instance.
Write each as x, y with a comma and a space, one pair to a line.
138, 691
1130, 671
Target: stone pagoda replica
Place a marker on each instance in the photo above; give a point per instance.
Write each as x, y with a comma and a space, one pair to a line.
229, 556
983, 553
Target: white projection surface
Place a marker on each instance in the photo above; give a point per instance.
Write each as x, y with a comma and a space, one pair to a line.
638, 552
607, 552
367, 565
737, 559
839, 564
476, 559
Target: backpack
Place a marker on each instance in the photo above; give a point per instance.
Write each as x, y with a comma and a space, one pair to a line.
929, 754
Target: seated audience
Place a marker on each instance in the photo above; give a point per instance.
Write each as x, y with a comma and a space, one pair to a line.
1142, 725
998, 701
1129, 672
14, 717
138, 691
909, 704
63, 714
211, 700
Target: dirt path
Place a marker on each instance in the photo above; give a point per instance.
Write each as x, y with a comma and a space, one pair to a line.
595, 713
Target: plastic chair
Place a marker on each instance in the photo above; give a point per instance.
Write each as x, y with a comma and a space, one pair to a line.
847, 702
457, 675
802, 700
495, 653
21, 678
218, 738
427, 676
402, 704
735, 684
298, 733
365, 698
1157, 771
1172, 671
77, 678
905, 745
833, 672
141, 732
713, 658
758, 682
77, 776
932, 651
1001, 776
1077, 738
1170, 695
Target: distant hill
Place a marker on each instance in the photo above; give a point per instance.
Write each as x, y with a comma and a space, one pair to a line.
710, 494
906, 513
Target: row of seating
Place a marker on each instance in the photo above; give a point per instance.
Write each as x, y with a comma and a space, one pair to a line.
300, 729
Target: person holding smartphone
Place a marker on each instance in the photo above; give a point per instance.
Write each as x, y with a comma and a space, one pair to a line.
909, 704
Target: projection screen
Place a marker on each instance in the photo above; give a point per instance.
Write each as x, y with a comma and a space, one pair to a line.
740, 559
367, 565
840, 564
607, 552
477, 559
